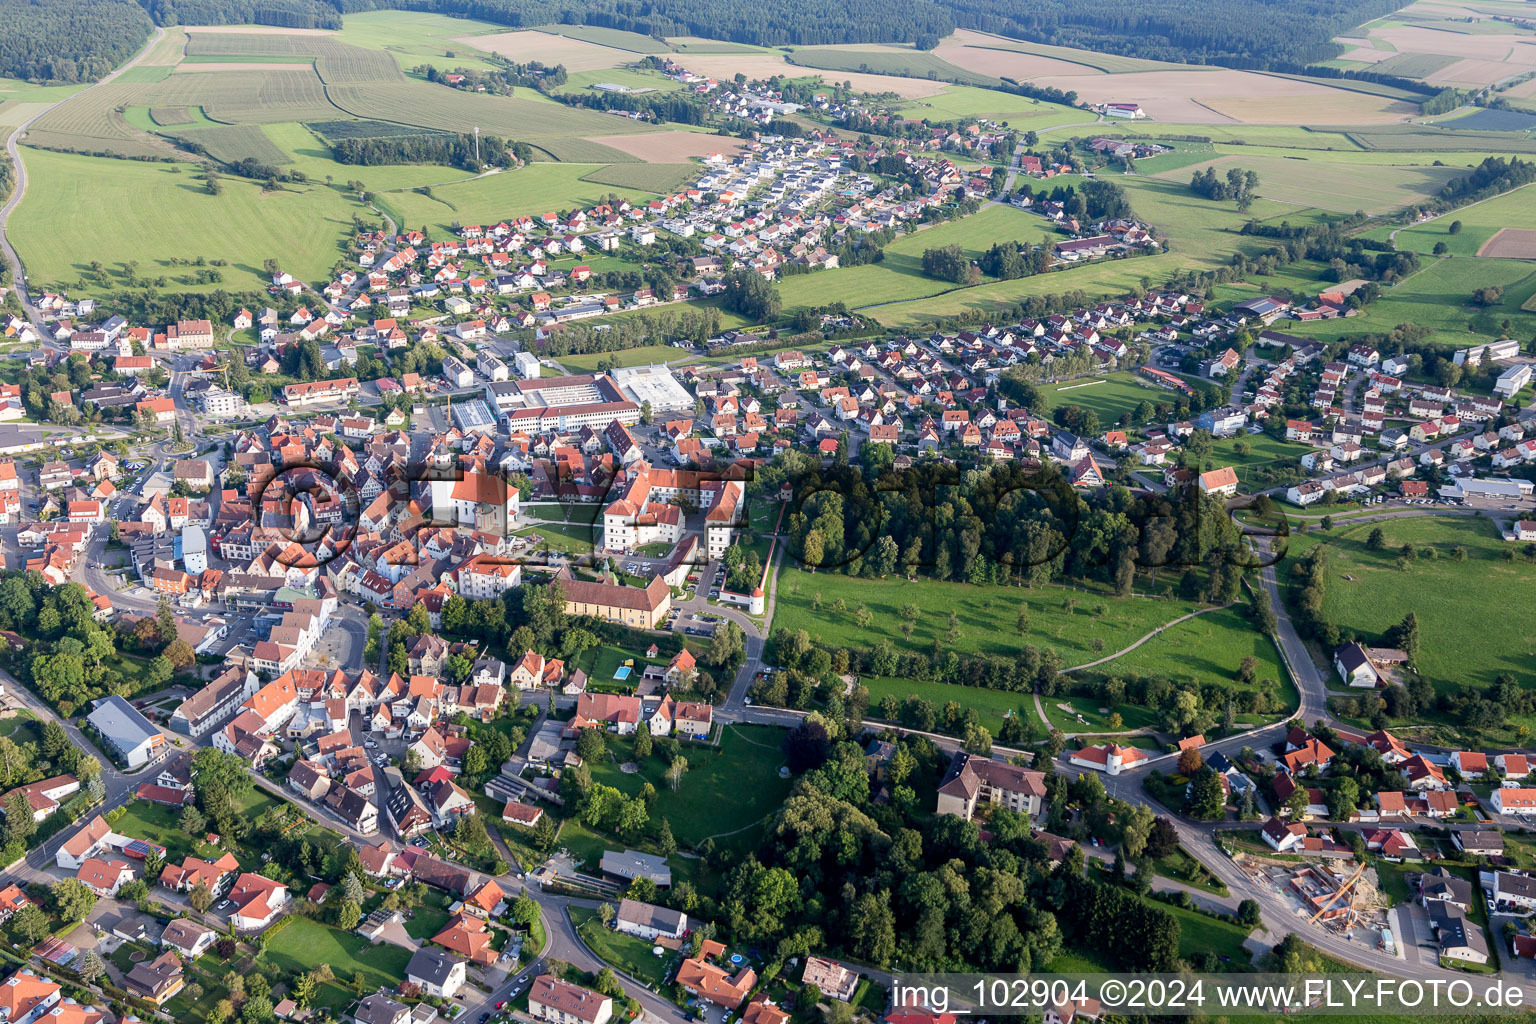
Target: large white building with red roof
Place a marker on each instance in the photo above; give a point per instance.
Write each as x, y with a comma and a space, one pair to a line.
647, 510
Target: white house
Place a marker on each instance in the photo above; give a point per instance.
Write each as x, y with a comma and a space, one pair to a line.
439, 973
649, 922
1282, 836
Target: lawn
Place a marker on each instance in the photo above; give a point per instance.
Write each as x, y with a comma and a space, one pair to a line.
726, 791
151, 213
1263, 450
645, 355
21, 727
627, 953
991, 705
1111, 396
570, 538
429, 918
1457, 603
533, 189
1140, 741
303, 942
601, 662
156, 823
899, 276
1181, 867
1092, 719
1202, 933
1478, 224
1081, 626
1206, 647
1394, 881
1439, 297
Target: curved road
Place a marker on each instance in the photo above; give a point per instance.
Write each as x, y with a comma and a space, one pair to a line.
13, 152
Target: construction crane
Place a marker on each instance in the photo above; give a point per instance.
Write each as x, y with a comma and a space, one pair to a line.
1349, 884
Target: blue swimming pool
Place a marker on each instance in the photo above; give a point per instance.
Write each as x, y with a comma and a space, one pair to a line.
622, 674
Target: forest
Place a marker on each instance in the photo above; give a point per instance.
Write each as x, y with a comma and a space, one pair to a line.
1235, 33
81, 41
77, 41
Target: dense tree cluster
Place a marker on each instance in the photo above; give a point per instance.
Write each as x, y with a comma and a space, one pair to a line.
1239, 34
950, 263
69, 42
747, 292
1239, 185
680, 107
886, 884
1494, 175
70, 658
437, 148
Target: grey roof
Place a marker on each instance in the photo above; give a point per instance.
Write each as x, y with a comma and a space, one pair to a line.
1440, 884
1512, 884
1479, 839
431, 965
645, 915
120, 724
379, 1009
633, 864
1455, 931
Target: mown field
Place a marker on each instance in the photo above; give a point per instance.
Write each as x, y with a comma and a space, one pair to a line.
532, 189
1476, 618
641, 356
1479, 223
1202, 234
728, 789
1439, 297
414, 38
1022, 112
1263, 450
1082, 626
170, 215
310, 155
1330, 186
992, 706
900, 275
1207, 647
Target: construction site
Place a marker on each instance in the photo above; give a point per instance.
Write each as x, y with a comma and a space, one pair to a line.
1336, 893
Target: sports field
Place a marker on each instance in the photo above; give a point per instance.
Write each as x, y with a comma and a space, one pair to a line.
170, 215
1111, 396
